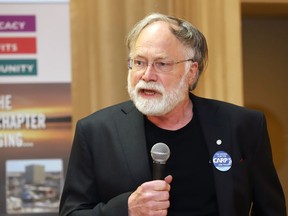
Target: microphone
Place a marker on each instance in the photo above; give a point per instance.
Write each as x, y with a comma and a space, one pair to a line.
160, 153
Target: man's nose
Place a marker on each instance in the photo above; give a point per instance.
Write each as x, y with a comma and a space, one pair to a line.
150, 73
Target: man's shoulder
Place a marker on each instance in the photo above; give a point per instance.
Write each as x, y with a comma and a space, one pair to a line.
125, 106
110, 111
224, 106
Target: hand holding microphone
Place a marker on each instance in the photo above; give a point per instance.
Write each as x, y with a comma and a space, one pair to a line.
152, 198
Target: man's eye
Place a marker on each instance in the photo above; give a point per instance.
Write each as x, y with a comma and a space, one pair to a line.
139, 63
163, 64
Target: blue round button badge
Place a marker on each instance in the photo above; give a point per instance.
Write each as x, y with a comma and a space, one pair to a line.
222, 161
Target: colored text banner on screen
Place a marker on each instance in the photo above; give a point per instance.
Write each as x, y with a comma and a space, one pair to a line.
23, 67
11, 23
52, 39
19, 45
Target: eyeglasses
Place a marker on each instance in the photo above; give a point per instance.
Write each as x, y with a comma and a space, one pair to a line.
160, 66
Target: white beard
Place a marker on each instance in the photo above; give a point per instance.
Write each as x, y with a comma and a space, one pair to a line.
161, 105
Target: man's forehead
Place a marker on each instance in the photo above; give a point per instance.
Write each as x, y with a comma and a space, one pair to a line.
155, 55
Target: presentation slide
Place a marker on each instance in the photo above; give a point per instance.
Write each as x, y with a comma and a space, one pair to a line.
35, 105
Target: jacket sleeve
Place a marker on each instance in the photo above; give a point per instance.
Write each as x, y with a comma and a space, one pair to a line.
80, 197
268, 196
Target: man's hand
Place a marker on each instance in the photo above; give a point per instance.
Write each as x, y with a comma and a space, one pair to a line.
150, 198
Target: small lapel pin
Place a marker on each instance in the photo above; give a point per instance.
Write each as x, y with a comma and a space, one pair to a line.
219, 142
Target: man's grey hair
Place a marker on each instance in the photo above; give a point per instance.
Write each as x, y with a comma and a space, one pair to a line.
186, 33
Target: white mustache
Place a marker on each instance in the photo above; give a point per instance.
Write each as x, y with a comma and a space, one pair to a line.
150, 85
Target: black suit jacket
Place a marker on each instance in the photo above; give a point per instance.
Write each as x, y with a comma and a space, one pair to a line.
109, 161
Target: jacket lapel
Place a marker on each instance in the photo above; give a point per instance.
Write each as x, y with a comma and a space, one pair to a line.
216, 129
132, 137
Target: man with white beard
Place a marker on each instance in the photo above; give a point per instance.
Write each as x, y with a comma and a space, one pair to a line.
220, 163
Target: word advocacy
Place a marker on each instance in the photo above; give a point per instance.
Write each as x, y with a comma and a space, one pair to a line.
13, 25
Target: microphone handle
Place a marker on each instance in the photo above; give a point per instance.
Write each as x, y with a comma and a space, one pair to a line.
158, 171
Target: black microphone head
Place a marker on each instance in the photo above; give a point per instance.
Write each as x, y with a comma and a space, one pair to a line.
160, 153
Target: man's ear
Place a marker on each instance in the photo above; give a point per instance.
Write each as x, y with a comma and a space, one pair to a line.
193, 73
